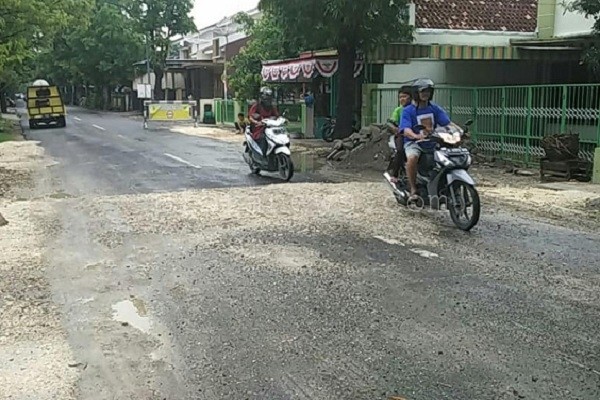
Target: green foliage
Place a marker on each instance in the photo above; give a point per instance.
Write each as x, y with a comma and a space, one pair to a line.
27, 26
268, 42
591, 9
161, 20
347, 26
362, 24
87, 41
100, 52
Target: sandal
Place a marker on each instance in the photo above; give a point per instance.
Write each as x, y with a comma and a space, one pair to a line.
413, 198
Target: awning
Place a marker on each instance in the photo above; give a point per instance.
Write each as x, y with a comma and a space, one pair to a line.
305, 68
398, 53
465, 52
554, 49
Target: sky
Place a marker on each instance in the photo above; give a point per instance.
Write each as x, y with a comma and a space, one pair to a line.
207, 12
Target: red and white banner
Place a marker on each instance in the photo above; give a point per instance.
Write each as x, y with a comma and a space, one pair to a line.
291, 70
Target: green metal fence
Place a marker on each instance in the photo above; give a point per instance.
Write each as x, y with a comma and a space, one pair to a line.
225, 111
510, 121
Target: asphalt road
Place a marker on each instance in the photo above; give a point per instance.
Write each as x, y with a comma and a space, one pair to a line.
510, 311
112, 154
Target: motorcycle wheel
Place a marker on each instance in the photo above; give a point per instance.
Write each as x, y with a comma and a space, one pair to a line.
327, 131
248, 159
465, 196
286, 167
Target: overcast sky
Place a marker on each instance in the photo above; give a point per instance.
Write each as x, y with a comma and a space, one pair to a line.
208, 12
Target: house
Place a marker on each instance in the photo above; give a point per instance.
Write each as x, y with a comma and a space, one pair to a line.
561, 40
217, 44
514, 66
483, 43
466, 42
198, 67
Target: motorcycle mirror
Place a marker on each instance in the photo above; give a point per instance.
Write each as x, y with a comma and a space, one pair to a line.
469, 122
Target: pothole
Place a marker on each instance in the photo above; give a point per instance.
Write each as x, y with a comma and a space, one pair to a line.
132, 312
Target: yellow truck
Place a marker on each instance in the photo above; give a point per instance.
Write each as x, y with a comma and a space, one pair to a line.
45, 105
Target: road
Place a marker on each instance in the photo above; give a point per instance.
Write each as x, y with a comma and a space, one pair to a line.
179, 275
109, 154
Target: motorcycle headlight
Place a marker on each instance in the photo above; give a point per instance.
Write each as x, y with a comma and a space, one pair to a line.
443, 159
463, 160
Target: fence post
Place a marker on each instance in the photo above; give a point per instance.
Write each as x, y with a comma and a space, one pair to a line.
529, 112
563, 117
598, 130
450, 104
374, 107
503, 122
475, 119
380, 108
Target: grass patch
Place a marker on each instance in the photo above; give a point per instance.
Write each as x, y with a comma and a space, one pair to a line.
7, 130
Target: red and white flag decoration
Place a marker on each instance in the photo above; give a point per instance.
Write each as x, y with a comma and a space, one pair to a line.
326, 68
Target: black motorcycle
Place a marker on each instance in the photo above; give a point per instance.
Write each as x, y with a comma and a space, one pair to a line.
442, 177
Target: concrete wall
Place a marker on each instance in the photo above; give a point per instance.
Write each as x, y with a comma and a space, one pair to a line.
467, 73
177, 83
471, 38
570, 24
400, 73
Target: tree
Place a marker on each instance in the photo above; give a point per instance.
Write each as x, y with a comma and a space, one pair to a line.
268, 41
348, 26
106, 50
27, 26
589, 8
100, 52
161, 20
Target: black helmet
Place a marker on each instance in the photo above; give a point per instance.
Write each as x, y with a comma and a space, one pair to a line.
406, 89
422, 84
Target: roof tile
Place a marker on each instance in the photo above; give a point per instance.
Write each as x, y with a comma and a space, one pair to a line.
488, 15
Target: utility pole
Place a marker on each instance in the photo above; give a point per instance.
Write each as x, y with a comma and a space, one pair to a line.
148, 65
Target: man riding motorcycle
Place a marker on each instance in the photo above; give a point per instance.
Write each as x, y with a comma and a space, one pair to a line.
263, 108
422, 112
404, 100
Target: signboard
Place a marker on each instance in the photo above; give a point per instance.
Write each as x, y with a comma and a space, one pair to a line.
170, 111
144, 91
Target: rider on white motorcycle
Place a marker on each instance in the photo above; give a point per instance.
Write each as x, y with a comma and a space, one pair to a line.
427, 114
263, 108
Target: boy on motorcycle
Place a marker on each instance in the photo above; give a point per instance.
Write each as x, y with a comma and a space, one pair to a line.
263, 108
404, 100
427, 114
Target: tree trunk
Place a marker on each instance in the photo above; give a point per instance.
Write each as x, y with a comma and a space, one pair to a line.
159, 94
2, 101
345, 100
107, 97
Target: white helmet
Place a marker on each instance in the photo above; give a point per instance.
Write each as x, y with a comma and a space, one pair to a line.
266, 92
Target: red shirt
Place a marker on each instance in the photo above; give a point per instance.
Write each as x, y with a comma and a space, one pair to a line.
264, 113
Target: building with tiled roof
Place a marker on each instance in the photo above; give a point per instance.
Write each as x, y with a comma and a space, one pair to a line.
477, 15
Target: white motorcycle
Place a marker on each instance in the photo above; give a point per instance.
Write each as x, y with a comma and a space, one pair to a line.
278, 157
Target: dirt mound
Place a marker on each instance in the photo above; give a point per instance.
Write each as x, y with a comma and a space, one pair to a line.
365, 149
10, 178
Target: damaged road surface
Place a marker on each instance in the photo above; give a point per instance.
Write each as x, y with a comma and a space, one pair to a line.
200, 281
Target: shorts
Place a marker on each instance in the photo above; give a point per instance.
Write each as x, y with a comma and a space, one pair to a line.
412, 149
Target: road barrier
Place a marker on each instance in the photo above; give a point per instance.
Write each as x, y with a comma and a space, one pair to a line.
167, 111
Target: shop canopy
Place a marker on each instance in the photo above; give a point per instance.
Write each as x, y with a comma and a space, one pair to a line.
306, 67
